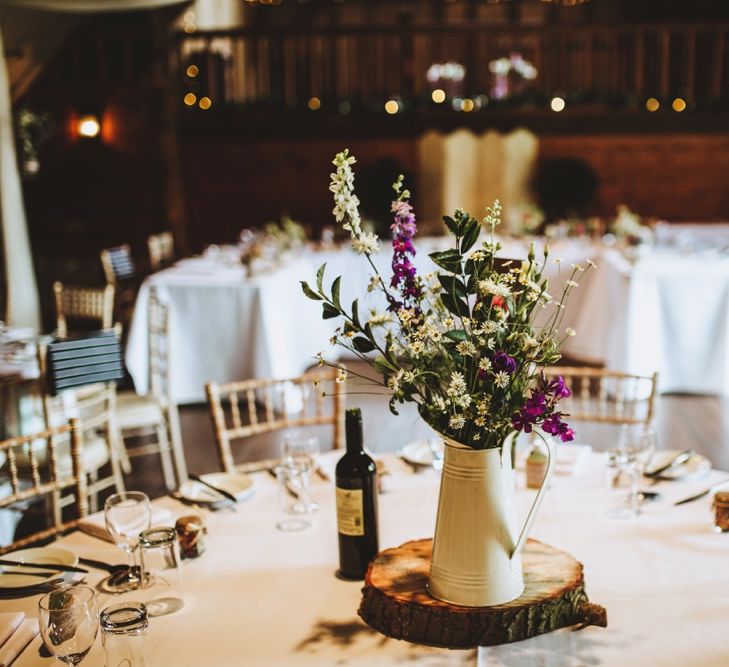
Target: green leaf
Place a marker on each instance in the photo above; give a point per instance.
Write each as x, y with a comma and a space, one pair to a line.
392, 406
335, 291
451, 224
382, 365
450, 260
309, 292
362, 344
355, 313
452, 285
457, 335
320, 277
470, 236
329, 311
454, 305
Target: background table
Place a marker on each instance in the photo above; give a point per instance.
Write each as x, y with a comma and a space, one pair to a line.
267, 598
668, 311
227, 326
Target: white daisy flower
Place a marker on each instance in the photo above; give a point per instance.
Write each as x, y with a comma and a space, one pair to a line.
501, 379
466, 348
457, 384
366, 243
457, 422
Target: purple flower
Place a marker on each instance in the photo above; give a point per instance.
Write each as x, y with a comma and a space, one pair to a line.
536, 405
556, 426
403, 245
522, 422
558, 388
403, 271
504, 362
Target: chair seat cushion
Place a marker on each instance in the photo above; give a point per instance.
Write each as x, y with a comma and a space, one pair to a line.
134, 411
95, 454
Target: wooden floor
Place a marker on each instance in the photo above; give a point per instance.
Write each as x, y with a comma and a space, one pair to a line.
682, 421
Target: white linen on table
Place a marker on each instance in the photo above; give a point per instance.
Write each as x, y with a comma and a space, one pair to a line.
667, 312
262, 597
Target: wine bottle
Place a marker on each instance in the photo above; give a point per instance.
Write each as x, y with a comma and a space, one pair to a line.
356, 488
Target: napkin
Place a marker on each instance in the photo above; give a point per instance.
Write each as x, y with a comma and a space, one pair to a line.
95, 525
9, 623
14, 646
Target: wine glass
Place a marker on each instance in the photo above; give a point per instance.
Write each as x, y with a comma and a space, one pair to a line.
69, 622
127, 514
304, 451
293, 494
634, 450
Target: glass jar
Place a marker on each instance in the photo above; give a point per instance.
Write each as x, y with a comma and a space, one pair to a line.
721, 512
123, 631
191, 533
161, 571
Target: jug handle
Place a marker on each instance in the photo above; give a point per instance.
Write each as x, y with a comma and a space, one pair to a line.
551, 457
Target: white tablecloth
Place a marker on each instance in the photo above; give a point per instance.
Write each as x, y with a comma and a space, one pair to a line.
262, 597
225, 326
667, 312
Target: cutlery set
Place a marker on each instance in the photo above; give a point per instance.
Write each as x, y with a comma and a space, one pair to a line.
682, 458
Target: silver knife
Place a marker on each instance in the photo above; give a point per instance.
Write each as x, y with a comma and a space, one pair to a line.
706, 492
675, 461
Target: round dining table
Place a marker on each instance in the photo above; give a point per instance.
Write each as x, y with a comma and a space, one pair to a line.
262, 597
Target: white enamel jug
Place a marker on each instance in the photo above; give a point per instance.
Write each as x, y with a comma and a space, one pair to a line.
477, 545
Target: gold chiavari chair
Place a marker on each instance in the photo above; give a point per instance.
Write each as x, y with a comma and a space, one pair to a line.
242, 409
118, 264
46, 480
155, 415
608, 397
161, 250
93, 306
78, 379
120, 271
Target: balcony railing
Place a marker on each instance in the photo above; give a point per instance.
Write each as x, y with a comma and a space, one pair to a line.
343, 67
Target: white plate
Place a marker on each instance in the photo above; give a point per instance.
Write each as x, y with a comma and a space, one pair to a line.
49, 555
418, 453
241, 486
697, 466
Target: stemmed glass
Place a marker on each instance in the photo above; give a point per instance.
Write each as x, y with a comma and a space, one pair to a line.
68, 622
301, 452
635, 448
127, 514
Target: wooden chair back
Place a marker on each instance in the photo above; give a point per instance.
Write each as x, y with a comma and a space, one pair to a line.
159, 365
45, 481
161, 250
241, 409
606, 396
78, 379
90, 305
118, 264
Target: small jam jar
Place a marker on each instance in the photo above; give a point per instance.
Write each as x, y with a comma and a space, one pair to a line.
191, 533
721, 511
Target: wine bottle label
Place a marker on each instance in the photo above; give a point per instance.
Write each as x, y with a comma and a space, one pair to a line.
350, 512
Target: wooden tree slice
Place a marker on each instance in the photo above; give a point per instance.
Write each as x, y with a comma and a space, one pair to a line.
396, 603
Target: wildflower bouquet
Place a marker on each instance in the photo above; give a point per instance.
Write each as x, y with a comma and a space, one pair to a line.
460, 342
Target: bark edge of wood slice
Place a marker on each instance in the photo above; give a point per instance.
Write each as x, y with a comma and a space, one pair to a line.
396, 603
